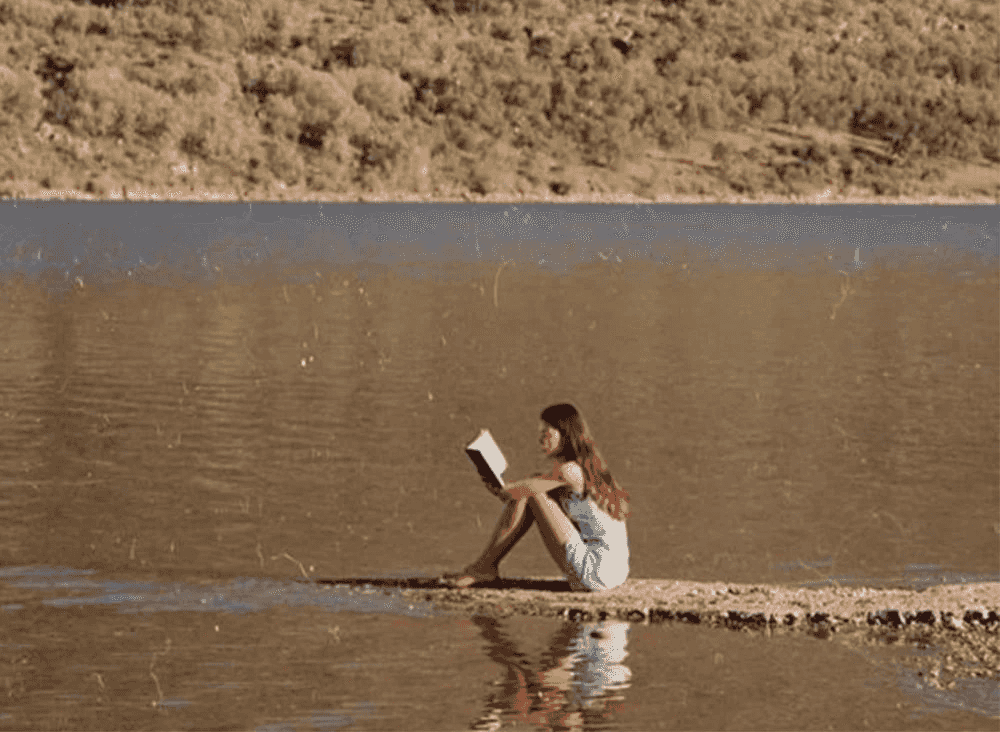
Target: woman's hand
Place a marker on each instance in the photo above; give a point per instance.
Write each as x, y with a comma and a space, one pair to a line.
516, 491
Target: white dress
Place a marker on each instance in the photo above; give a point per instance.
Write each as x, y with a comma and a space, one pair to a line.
600, 556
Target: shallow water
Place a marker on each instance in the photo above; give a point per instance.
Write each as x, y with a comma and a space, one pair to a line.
80, 650
211, 442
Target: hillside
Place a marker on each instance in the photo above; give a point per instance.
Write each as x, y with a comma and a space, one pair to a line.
501, 99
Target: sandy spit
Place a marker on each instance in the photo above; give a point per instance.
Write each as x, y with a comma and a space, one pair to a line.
959, 624
952, 606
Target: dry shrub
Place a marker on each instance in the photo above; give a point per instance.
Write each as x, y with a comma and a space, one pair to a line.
496, 171
28, 13
463, 7
284, 160
355, 121
74, 20
261, 76
300, 102
210, 32
321, 98
382, 92
216, 137
20, 98
378, 155
111, 105
329, 116
386, 47
189, 76
154, 23
263, 23
409, 168
700, 109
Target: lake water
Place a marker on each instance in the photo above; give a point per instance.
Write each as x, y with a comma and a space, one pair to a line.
80, 650
188, 443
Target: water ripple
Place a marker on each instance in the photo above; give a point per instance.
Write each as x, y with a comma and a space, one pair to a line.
241, 595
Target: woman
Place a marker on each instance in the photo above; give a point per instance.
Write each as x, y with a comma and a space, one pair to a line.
579, 508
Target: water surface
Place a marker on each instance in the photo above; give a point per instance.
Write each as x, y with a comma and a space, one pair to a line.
193, 448
769, 426
81, 650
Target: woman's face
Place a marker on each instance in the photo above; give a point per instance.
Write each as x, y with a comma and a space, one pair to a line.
550, 439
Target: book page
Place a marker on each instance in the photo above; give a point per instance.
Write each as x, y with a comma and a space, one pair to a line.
485, 448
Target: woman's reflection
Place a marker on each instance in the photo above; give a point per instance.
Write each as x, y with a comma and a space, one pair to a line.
576, 684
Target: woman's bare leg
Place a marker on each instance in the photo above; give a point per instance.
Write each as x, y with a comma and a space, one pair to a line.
514, 523
517, 517
556, 528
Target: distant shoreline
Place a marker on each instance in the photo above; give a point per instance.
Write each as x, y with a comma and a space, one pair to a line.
395, 197
501, 100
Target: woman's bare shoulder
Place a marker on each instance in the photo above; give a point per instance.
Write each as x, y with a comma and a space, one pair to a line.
572, 474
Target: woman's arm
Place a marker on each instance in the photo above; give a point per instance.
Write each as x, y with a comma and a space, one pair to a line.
531, 486
568, 474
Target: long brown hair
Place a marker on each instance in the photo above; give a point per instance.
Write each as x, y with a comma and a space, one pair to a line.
577, 445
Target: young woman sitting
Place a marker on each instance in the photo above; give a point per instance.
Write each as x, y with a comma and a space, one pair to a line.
579, 508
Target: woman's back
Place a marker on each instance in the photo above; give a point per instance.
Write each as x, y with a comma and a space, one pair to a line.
603, 537
596, 527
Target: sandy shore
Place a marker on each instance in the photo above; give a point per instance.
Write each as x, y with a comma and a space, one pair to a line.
958, 624
956, 607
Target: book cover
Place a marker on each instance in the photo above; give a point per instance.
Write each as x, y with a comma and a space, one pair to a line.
489, 461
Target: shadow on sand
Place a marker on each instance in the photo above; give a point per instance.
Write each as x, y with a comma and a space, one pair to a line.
435, 583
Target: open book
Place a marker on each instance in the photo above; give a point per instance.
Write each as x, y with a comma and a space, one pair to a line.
489, 461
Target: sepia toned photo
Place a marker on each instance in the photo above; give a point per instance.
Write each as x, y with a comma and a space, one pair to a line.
499, 364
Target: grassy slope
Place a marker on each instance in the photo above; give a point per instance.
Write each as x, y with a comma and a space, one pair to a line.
500, 98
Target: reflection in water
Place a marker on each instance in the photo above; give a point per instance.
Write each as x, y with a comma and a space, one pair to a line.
254, 653
577, 684
979, 696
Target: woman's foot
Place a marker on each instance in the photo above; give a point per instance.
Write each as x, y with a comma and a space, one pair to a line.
469, 578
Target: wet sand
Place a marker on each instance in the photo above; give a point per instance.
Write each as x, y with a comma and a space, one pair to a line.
955, 625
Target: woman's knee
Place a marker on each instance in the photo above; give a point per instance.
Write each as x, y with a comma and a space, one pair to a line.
552, 520
542, 501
